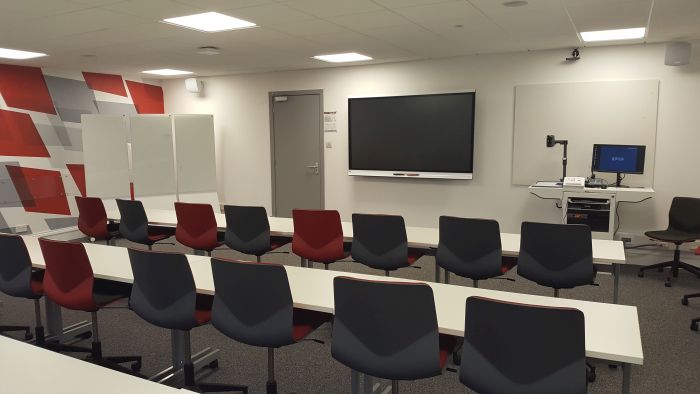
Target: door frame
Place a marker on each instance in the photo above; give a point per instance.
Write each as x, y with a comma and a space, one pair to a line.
322, 171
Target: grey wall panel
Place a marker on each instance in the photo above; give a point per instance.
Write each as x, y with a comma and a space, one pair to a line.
72, 98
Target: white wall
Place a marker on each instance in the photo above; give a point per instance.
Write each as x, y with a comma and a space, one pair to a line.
240, 108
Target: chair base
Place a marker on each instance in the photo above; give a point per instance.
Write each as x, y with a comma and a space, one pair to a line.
188, 369
28, 336
114, 362
674, 264
694, 324
684, 301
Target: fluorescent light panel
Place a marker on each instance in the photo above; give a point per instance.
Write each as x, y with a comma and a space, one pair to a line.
19, 55
613, 35
167, 72
343, 57
210, 22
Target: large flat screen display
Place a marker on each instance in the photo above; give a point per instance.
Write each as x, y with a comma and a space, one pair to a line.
422, 136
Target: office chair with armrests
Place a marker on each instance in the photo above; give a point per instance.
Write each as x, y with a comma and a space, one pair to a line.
517, 348
248, 231
318, 236
92, 219
388, 330
683, 226
133, 224
70, 283
267, 320
471, 248
164, 294
196, 226
379, 242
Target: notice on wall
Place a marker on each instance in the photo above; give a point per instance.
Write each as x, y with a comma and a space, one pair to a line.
329, 122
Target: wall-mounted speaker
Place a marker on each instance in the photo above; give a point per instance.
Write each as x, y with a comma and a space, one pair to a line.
678, 54
193, 85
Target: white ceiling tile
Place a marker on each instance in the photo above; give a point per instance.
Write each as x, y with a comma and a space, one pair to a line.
610, 15
675, 20
154, 9
446, 14
393, 4
309, 27
222, 5
328, 8
369, 20
270, 14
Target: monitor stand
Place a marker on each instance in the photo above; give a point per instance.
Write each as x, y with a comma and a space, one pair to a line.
619, 180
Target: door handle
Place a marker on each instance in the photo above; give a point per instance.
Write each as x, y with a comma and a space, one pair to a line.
315, 167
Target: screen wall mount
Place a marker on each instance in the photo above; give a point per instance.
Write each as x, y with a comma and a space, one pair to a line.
412, 136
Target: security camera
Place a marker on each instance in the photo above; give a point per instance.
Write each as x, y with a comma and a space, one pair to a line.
575, 55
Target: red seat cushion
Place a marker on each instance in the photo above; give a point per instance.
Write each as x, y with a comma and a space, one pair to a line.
414, 254
306, 321
157, 237
37, 283
507, 263
278, 242
447, 346
203, 305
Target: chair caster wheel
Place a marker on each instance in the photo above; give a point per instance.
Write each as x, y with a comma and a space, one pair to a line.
640, 274
694, 326
84, 335
214, 364
136, 366
684, 301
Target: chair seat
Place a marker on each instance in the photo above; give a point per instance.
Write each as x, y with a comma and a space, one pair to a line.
105, 292
278, 242
447, 345
674, 236
305, 322
157, 237
414, 254
507, 263
37, 283
202, 313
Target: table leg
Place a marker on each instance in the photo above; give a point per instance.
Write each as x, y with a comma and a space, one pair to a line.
437, 273
54, 319
354, 382
626, 377
616, 282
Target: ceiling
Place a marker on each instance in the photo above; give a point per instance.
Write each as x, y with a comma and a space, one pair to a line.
127, 37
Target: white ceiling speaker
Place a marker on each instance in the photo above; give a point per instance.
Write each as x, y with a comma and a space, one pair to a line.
193, 85
678, 54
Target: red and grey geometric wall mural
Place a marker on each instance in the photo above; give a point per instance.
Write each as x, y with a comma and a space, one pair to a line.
41, 153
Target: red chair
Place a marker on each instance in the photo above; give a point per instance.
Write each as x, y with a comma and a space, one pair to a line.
70, 283
318, 236
92, 219
196, 226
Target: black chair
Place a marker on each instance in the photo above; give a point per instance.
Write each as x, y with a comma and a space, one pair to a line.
133, 224
388, 330
253, 305
248, 231
684, 301
164, 294
683, 226
556, 255
379, 242
471, 248
18, 279
516, 348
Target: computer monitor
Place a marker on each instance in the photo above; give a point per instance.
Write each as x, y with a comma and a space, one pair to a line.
620, 159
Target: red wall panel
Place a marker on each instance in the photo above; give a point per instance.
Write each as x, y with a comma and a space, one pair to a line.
77, 171
148, 99
19, 136
108, 83
40, 190
25, 88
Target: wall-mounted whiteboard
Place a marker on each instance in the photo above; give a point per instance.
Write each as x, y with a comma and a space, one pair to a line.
152, 155
105, 155
194, 153
584, 113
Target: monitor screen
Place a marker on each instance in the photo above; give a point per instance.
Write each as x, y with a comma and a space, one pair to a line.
625, 159
432, 133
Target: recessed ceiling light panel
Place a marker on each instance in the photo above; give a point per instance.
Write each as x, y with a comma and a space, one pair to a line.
19, 55
343, 57
167, 72
210, 22
613, 35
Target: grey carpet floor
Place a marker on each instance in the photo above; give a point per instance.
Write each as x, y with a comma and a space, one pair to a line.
671, 349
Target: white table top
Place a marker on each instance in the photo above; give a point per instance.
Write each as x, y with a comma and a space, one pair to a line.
623, 194
604, 251
612, 331
28, 369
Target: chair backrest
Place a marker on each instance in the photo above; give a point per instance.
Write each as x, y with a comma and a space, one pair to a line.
386, 329
92, 217
196, 225
164, 293
556, 255
252, 303
68, 280
247, 229
133, 224
515, 348
684, 215
15, 267
470, 247
318, 235
379, 241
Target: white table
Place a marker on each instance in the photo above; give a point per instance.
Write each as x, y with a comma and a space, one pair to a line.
605, 252
612, 331
28, 369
